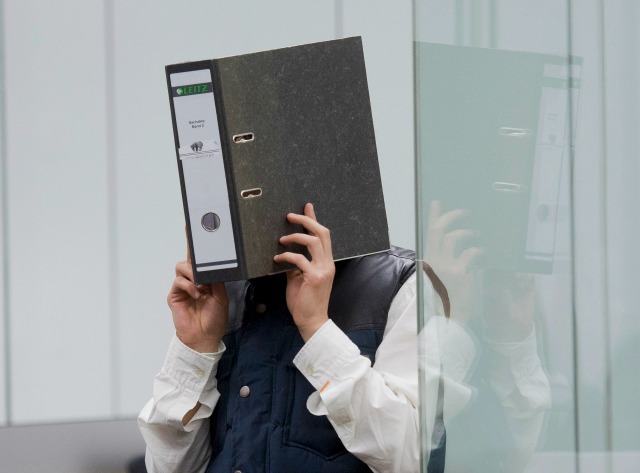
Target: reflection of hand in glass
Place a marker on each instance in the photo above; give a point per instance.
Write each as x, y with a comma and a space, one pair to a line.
449, 251
515, 372
509, 305
510, 386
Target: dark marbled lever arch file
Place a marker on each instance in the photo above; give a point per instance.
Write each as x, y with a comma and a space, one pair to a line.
257, 136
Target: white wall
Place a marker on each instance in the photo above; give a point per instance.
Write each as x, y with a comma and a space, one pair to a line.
386, 29
3, 348
3, 262
622, 126
3, 320
57, 202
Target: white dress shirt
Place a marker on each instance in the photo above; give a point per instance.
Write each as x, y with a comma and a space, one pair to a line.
374, 409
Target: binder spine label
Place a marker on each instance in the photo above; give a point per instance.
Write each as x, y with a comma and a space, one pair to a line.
202, 163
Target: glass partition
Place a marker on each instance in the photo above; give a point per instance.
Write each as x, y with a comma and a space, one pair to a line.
527, 171
3, 319
494, 121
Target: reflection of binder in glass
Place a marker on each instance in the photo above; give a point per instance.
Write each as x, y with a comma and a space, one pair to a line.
259, 135
553, 132
494, 132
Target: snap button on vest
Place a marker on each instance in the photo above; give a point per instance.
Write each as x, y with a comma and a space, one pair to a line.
245, 391
261, 308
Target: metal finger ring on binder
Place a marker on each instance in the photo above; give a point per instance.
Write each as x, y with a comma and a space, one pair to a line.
210, 222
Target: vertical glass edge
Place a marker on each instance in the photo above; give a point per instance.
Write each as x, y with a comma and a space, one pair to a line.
5, 232
112, 208
419, 244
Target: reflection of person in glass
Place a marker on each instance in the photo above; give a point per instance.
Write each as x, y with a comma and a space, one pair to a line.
495, 392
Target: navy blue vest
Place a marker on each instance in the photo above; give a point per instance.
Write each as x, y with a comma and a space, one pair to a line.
261, 422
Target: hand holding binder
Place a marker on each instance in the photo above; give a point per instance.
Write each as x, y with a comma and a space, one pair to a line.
200, 313
309, 286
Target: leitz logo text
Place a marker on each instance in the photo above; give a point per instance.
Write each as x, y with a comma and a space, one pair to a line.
193, 89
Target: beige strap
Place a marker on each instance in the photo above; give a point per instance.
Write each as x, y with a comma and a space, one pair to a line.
438, 285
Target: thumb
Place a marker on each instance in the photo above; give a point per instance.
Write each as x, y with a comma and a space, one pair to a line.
186, 234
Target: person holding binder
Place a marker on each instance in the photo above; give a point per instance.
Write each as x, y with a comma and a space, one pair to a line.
286, 389
315, 369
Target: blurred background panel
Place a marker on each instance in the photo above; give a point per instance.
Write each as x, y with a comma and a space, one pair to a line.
3, 266
494, 113
587, 335
386, 32
56, 211
621, 119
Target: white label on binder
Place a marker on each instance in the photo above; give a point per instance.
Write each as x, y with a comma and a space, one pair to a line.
203, 169
547, 171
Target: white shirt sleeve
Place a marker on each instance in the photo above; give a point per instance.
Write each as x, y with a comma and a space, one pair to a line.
187, 377
374, 410
517, 378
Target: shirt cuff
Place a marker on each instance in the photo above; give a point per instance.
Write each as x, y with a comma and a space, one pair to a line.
518, 377
522, 356
191, 370
326, 354
446, 342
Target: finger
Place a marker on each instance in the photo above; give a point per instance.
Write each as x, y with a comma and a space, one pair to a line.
453, 241
434, 213
203, 289
219, 293
433, 241
186, 234
312, 243
181, 284
309, 223
471, 258
309, 211
298, 260
314, 228
184, 269
447, 219
294, 273
439, 226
